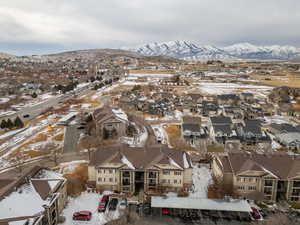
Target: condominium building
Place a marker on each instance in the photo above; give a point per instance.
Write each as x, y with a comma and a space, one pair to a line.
37, 197
270, 177
125, 169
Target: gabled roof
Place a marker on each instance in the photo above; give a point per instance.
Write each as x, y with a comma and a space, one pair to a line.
191, 127
224, 128
220, 120
139, 158
280, 165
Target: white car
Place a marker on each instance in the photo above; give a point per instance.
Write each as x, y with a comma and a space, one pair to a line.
123, 204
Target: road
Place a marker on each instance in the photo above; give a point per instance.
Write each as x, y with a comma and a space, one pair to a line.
71, 138
31, 111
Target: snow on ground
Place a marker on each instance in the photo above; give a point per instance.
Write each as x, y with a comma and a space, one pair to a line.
4, 100
154, 75
69, 167
226, 88
46, 96
85, 106
160, 133
201, 180
11, 133
133, 83
86, 201
275, 144
14, 143
279, 119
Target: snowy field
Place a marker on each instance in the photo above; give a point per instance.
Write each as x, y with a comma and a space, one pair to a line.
212, 88
201, 180
151, 75
4, 100
87, 201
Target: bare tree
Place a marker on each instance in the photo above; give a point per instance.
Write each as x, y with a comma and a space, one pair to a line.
90, 143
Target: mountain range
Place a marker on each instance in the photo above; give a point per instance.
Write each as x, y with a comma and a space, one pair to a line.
243, 51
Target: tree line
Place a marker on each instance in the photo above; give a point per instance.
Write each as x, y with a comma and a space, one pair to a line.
9, 124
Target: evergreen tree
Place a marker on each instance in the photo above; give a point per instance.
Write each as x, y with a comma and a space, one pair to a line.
9, 124
34, 95
18, 123
3, 124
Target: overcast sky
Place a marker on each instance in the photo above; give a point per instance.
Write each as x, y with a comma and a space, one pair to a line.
46, 26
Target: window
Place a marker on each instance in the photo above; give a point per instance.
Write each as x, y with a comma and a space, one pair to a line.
268, 183
239, 179
241, 188
104, 179
99, 171
166, 172
177, 173
179, 181
252, 188
103, 170
175, 181
111, 180
99, 179
296, 183
294, 199
250, 179
168, 181
111, 171
163, 181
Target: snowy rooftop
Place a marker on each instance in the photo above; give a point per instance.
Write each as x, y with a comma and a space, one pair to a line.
29, 198
202, 204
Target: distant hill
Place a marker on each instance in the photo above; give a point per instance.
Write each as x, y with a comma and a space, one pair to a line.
5, 55
190, 51
92, 53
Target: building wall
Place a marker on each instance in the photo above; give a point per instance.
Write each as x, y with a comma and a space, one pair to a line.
92, 173
175, 178
108, 177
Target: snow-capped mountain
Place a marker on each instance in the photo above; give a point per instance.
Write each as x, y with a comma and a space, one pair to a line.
191, 51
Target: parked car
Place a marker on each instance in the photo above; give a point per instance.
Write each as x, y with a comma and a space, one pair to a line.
103, 203
82, 215
255, 213
165, 211
123, 204
112, 205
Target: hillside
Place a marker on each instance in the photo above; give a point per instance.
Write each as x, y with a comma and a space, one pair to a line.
5, 55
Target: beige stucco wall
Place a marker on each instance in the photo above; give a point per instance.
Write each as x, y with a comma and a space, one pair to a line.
171, 177
92, 173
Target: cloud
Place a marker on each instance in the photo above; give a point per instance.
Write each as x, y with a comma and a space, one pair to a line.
57, 24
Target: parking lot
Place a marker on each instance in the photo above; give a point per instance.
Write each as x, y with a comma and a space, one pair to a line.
88, 202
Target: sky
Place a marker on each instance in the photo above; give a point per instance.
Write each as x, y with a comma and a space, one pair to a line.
47, 26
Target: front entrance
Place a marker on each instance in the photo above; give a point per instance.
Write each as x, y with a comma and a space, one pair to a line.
139, 181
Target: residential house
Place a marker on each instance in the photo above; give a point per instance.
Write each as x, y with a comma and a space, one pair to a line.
192, 131
251, 133
247, 97
269, 177
286, 134
131, 170
221, 129
210, 108
228, 99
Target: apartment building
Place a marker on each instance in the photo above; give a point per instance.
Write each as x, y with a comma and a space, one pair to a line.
269, 177
35, 198
125, 169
